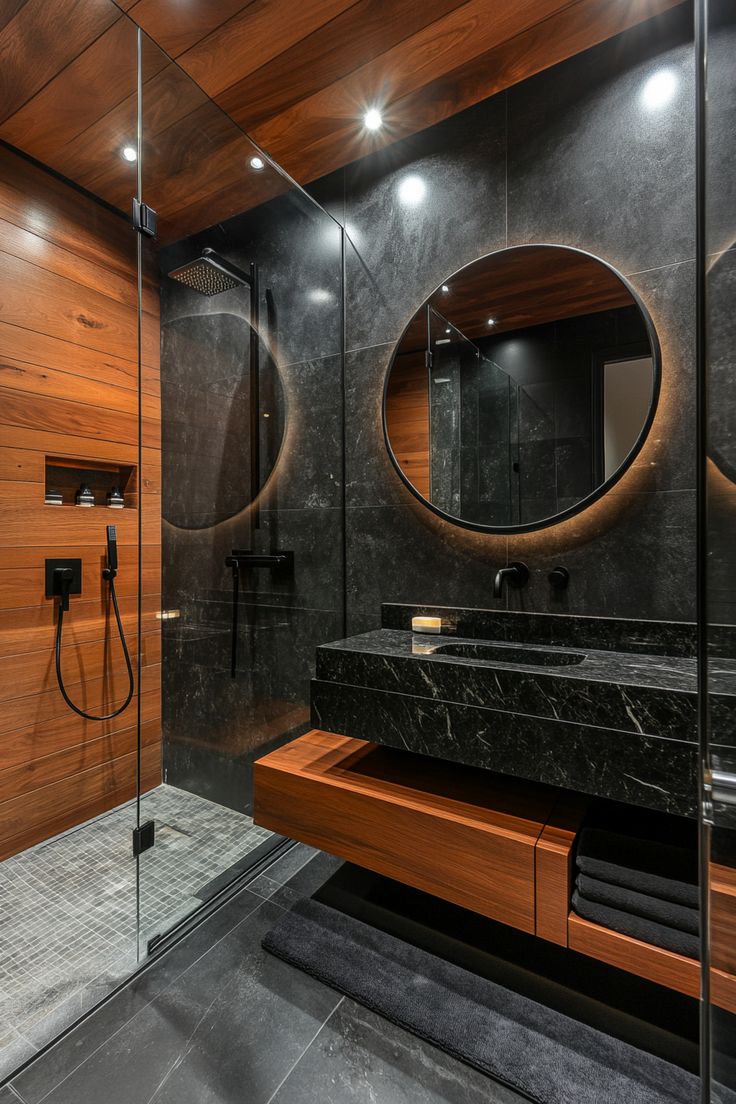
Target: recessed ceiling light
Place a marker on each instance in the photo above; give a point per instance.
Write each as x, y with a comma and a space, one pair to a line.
412, 190
257, 163
130, 153
491, 321
445, 288
373, 119
448, 330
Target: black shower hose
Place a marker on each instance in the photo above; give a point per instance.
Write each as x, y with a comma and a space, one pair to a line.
126, 653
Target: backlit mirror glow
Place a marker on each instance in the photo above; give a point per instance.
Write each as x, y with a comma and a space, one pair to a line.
542, 405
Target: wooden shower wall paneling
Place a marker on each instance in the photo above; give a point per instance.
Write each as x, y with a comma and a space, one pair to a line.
68, 390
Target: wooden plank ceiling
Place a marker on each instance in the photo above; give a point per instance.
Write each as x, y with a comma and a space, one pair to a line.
520, 288
297, 77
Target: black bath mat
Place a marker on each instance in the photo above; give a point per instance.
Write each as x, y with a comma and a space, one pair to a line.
547, 1056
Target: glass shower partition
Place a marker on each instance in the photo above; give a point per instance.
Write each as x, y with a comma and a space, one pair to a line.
69, 442
717, 537
472, 434
246, 270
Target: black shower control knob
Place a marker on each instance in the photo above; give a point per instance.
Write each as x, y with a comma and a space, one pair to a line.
559, 577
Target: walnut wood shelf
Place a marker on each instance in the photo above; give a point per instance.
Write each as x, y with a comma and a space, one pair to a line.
495, 845
448, 830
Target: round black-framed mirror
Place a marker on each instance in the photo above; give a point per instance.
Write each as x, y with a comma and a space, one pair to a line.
522, 389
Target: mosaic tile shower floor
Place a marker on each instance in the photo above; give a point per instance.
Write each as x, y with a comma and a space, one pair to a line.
68, 907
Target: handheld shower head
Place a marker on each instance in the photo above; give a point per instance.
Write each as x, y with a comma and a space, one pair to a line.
210, 274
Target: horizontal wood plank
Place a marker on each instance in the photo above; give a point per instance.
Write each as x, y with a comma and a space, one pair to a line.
68, 731
664, 967
386, 811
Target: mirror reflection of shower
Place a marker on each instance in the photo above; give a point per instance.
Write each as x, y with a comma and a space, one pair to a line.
211, 274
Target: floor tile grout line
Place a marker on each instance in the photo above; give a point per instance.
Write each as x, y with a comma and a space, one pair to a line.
15, 1092
256, 903
308, 1047
161, 992
190, 1039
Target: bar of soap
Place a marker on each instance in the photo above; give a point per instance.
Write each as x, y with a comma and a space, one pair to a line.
426, 624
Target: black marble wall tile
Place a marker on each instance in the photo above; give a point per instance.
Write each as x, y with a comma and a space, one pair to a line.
641, 770
630, 555
667, 460
588, 165
370, 477
298, 250
406, 554
597, 160
215, 725
402, 246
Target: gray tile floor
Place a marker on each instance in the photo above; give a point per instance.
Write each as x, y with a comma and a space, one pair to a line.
216, 1020
68, 927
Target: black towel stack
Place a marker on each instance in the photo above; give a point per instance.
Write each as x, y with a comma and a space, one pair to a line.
639, 883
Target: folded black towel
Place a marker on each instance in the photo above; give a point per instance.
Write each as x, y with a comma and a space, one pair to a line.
646, 866
639, 904
636, 926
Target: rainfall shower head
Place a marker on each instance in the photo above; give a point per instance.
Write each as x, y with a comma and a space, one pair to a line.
210, 274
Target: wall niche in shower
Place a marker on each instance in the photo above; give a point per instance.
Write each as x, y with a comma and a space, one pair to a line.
108, 481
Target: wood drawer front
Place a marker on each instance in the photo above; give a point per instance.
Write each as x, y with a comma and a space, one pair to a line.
325, 792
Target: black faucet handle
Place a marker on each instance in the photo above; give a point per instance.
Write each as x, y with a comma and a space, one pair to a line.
519, 574
559, 577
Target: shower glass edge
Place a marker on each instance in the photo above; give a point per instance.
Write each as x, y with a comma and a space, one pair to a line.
247, 269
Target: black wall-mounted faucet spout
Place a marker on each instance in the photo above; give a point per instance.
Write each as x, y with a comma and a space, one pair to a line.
517, 575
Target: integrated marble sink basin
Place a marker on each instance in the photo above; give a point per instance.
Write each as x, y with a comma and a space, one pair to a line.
507, 653
600, 705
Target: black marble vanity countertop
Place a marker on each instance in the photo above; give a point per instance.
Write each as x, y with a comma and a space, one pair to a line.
617, 724
600, 665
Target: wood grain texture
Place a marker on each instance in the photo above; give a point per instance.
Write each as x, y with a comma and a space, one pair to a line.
528, 287
297, 77
407, 418
666, 968
723, 917
554, 868
441, 829
68, 396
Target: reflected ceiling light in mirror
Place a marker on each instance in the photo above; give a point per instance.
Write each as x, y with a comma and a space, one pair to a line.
444, 289
129, 153
412, 190
491, 322
659, 89
257, 164
372, 119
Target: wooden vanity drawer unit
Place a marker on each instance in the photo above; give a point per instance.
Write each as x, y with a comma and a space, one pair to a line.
499, 846
441, 828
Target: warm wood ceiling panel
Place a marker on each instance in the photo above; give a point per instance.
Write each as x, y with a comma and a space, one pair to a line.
41, 39
422, 80
176, 26
519, 288
254, 37
328, 55
528, 287
295, 76
91, 85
